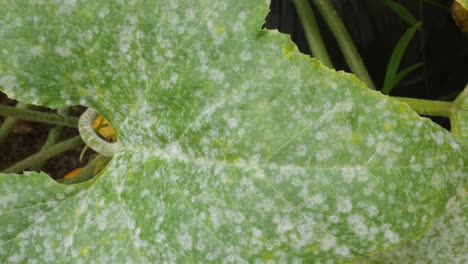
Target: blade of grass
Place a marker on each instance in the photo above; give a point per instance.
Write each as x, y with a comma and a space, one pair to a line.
402, 74
345, 42
395, 58
401, 11
312, 32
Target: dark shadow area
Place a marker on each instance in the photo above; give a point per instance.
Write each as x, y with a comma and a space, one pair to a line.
376, 29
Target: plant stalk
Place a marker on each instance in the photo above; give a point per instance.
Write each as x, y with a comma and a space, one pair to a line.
427, 107
36, 116
10, 122
44, 155
87, 172
344, 40
52, 138
312, 32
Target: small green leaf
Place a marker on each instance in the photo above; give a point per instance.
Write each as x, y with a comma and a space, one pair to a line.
401, 11
407, 70
391, 76
234, 148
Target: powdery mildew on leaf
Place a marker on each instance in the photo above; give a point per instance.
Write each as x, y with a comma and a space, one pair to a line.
444, 242
235, 147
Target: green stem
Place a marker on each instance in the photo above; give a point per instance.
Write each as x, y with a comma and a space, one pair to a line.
427, 107
44, 155
344, 40
312, 32
52, 138
36, 116
87, 172
10, 122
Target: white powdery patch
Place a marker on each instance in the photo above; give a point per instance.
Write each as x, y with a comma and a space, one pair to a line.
68, 241
125, 37
323, 155
314, 200
36, 51
67, 7
214, 217
348, 174
391, 236
321, 136
63, 51
9, 82
217, 76
327, 242
372, 210
344, 205
346, 106
342, 251
301, 150
103, 12
245, 55
283, 224
357, 224
185, 241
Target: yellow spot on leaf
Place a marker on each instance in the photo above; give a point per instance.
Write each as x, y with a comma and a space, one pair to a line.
84, 251
288, 49
220, 29
388, 126
355, 138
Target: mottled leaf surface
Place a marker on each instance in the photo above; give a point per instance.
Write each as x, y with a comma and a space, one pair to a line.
234, 146
446, 241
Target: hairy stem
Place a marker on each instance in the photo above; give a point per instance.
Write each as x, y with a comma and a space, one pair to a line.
31, 115
312, 32
91, 138
44, 155
344, 40
427, 107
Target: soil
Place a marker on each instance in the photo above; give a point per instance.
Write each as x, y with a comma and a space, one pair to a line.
27, 138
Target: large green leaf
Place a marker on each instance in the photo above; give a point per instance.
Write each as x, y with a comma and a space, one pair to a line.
234, 146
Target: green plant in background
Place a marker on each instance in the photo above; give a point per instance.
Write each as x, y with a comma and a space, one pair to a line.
233, 146
392, 76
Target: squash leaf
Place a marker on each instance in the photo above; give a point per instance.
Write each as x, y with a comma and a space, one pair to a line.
234, 146
444, 242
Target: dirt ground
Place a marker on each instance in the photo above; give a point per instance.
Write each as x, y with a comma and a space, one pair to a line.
27, 138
